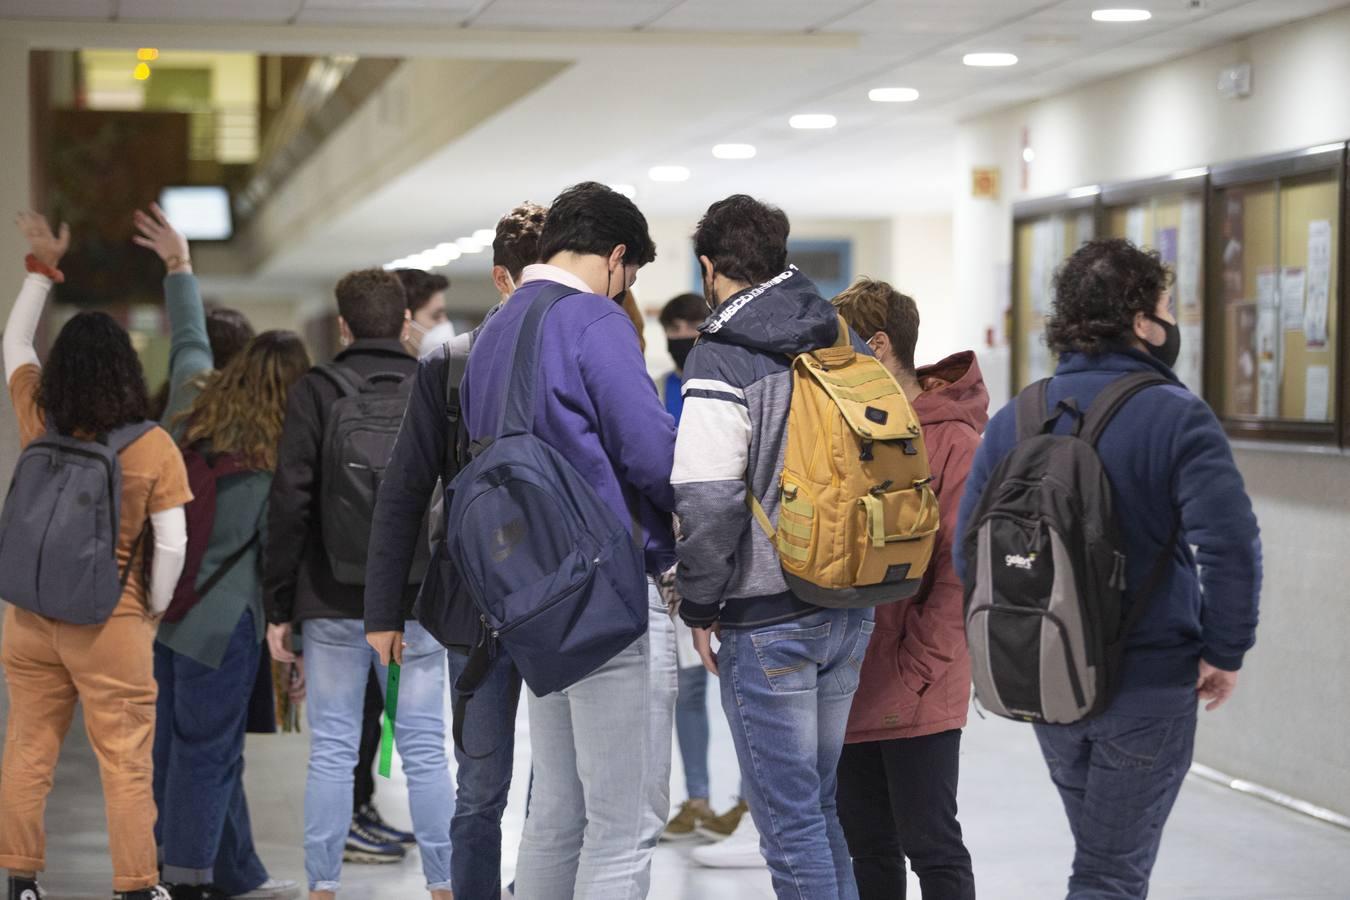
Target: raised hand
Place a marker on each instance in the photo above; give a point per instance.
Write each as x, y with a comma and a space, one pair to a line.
47, 247
155, 233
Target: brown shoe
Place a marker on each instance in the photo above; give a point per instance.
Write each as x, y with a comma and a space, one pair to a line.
685, 825
719, 828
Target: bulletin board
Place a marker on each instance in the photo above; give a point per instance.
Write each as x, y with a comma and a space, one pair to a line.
1042, 239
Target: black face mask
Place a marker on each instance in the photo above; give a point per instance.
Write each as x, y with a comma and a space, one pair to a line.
618, 297
679, 350
1168, 351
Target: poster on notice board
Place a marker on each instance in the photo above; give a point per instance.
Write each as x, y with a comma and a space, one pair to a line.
1319, 284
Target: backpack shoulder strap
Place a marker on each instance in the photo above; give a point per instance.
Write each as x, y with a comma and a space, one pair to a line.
518, 408
1111, 399
1032, 409
125, 436
456, 364
348, 381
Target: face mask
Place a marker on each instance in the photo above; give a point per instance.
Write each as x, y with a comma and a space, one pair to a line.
435, 337
1168, 351
709, 294
617, 297
679, 350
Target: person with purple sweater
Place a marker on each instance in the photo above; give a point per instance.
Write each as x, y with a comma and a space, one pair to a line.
602, 747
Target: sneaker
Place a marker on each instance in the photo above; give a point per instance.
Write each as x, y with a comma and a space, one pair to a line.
369, 817
25, 889
196, 892
684, 826
158, 892
272, 889
363, 846
740, 851
718, 828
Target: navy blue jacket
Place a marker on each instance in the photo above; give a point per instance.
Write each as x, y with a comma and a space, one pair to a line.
1167, 457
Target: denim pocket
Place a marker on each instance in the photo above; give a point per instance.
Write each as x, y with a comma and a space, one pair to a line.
850, 673
791, 657
1135, 743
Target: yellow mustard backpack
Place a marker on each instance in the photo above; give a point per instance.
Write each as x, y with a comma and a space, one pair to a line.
857, 516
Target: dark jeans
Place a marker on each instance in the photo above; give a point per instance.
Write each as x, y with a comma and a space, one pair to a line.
1118, 777
483, 784
203, 824
897, 799
363, 783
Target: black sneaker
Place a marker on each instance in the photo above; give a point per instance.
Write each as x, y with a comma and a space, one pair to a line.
25, 889
197, 892
369, 818
158, 892
364, 846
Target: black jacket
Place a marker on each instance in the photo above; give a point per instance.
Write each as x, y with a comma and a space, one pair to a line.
298, 582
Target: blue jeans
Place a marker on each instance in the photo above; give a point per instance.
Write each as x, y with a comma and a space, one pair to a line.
1118, 777
691, 728
203, 826
483, 784
787, 689
601, 792
337, 664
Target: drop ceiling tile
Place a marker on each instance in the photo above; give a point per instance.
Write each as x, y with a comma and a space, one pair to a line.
752, 15
387, 12
206, 10
581, 15
55, 9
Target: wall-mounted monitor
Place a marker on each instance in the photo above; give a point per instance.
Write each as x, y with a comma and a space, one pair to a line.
201, 213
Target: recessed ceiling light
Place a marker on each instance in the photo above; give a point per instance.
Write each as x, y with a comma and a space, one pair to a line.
469, 245
734, 151
989, 60
627, 190
809, 121
1089, 190
1121, 15
450, 251
668, 173
485, 236
893, 95
1028, 155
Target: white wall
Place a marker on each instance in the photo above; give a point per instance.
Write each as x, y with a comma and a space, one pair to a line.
1287, 727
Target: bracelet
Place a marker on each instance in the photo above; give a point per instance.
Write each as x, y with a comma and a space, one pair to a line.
38, 267
175, 261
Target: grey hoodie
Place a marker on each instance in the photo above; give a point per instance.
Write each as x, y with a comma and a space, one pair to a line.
733, 432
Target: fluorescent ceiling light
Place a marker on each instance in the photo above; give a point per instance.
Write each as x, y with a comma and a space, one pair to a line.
627, 190
1090, 190
668, 173
1121, 15
450, 251
989, 60
1028, 155
469, 245
811, 121
1183, 174
734, 151
1324, 148
485, 236
893, 95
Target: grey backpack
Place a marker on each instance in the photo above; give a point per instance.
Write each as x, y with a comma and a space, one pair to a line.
59, 529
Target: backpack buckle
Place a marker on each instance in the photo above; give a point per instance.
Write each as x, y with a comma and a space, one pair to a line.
866, 454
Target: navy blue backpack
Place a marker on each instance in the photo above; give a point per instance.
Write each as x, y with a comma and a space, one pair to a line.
557, 579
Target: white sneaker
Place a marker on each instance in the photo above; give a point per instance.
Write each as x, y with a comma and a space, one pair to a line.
272, 889
740, 851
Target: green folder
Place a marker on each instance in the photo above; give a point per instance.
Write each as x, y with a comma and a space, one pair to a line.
390, 713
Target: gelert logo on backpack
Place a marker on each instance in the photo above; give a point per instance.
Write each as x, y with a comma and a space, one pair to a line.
1013, 561
715, 325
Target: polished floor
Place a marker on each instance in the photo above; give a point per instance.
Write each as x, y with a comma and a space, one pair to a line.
1219, 845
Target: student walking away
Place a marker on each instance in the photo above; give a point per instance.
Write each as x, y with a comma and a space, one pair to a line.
341, 420
1077, 526
760, 500
428, 324
898, 772
83, 590
556, 377
432, 445
206, 655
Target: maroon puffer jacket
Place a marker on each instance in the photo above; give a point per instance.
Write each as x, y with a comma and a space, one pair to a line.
916, 676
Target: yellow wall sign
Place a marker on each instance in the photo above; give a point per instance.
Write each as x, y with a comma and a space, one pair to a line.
984, 182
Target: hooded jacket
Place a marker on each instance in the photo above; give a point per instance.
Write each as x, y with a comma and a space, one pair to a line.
733, 433
916, 676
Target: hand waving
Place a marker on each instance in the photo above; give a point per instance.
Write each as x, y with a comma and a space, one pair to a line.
47, 247
155, 233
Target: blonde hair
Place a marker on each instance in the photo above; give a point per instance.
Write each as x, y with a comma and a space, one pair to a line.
240, 409
870, 306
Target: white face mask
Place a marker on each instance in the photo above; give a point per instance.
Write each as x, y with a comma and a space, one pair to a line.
435, 337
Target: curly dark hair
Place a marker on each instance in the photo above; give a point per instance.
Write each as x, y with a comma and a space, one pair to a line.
227, 330
93, 382
745, 239
516, 244
372, 303
1098, 291
593, 218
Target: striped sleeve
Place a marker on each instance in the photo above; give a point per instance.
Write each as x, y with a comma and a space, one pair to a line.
711, 455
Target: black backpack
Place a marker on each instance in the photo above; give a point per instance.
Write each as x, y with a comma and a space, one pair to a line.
1045, 610
362, 427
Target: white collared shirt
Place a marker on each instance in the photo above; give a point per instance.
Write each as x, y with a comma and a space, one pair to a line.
545, 272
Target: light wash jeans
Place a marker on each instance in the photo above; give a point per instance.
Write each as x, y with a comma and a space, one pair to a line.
601, 794
337, 663
787, 690
692, 730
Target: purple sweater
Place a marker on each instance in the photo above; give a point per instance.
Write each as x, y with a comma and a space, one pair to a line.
595, 404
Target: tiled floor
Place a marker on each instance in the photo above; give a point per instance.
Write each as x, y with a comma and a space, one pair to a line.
1219, 845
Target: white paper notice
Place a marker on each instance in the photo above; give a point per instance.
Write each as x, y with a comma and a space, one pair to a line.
1293, 282
1268, 357
1190, 243
1267, 289
1317, 399
1319, 283
1134, 225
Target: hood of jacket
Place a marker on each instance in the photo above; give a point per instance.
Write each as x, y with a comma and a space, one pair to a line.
953, 391
785, 314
